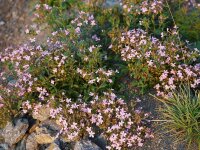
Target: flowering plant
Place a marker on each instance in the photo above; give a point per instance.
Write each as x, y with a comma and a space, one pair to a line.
75, 73
68, 73
71, 58
106, 115
149, 58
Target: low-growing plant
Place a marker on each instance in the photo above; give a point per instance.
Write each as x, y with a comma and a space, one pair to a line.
123, 127
57, 13
181, 113
75, 73
71, 58
150, 58
69, 73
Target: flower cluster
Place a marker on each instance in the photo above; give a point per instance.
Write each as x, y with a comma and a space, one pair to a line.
108, 114
69, 63
150, 7
98, 76
16, 76
146, 7
179, 74
149, 58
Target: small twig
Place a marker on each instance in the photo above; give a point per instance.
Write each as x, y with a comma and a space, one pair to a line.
160, 120
173, 20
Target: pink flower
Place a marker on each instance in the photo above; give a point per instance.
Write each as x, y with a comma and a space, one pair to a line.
164, 75
91, 48
52, 82
144, 9
37, 6
78, 30
188, 72
74, 125
140, 144
90, 132
150, 63
70, 111
55, 70
1, 105
171, 81
93, 23
66, 32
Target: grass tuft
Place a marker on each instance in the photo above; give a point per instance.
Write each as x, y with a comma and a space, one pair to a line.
181, 113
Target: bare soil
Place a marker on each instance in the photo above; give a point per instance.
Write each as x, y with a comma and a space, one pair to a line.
14, 14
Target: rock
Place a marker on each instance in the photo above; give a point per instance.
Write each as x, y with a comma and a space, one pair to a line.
86, 145
4, 147
42, 136
43, 113
2, 23
46, 132
64, 145
100, 141
21, 145
1, 136
111, 3
31, 143
52, 126
33, 127
12, 134
53, 146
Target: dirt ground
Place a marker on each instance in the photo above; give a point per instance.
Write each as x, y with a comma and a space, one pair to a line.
161, 140
16, 14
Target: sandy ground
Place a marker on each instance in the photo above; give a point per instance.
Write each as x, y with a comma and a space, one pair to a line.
14, 14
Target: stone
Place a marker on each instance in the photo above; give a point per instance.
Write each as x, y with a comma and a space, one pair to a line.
53, 146
52, 126
43, 146
64, 145
42, 136
43, 113
33, 127
85, 145
2, 23
13, 133
46, 132
111, 3
4, 147
31, 143
100, 141
1, 137
21, 145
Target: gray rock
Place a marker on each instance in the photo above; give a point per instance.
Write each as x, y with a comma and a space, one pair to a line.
43, 114
86, 145
107, 3
2, 23
42, 136
1, 132
21, 145
100, 141
4, 147
12, 82
53, 146
31, 143
12, 134
110, 3
52, 126
47, 132
64, 145
43, 146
